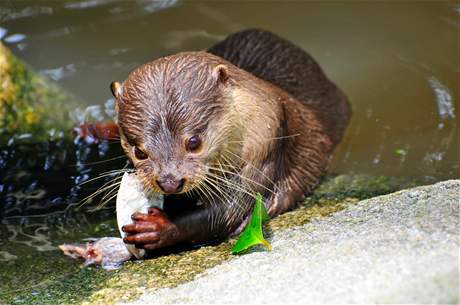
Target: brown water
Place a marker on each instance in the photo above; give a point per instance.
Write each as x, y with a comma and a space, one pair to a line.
399, 63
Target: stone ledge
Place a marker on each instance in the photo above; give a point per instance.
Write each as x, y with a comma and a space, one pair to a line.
398, 248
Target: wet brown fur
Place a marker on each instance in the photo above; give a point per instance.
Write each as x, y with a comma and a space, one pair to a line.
276, 140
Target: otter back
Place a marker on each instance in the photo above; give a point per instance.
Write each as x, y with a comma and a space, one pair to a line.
287, 66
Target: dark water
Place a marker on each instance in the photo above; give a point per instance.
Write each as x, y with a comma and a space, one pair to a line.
399, 64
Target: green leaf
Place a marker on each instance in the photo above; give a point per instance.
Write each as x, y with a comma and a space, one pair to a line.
253, 233
401, 152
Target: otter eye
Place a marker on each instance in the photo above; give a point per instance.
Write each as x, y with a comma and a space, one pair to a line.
193, 143
139, 154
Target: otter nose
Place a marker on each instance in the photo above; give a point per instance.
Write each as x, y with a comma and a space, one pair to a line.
170, 185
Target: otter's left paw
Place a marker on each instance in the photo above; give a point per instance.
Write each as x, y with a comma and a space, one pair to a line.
151, 231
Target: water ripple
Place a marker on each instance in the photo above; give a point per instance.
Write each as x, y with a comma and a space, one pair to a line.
443, 98
86, 4
31, 11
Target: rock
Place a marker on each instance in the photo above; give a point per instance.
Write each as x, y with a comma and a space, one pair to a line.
39, 148
31, 106
67, 283
398, 248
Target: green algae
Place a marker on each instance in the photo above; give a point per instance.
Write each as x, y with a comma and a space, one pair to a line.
35, 261
30, 104
97, 286
360, 186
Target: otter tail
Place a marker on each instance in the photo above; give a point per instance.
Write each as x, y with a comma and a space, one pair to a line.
287, 66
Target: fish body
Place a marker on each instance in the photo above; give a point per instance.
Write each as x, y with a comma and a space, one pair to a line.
131, 199
112, 252
109, 252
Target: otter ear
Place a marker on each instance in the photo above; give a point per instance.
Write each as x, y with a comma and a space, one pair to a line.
220, 73
116, 89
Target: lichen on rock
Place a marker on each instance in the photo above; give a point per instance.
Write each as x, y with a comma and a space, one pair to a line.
97, 286
30, 103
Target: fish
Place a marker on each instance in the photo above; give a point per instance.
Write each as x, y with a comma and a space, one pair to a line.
112, 252
131, 199
109, 252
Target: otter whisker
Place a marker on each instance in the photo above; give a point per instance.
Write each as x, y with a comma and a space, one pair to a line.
109, 196
108, 173
110, 193
228, 159
253, 166
242, 177
188, 193
227, 162
212, 220
212, 194
210, 187
208, 193
225, 196
102, 161
204, 192
214, 188
231, 184
105, 187
226, 200
271, 139
224, 172
231, 163
227, 185
243, 190
114, 139
93, 195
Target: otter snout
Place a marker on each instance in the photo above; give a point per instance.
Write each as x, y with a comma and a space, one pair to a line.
170, 184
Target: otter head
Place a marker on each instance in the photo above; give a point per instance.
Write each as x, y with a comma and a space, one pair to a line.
169, 116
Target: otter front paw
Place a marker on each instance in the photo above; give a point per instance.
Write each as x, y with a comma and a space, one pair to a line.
151, 231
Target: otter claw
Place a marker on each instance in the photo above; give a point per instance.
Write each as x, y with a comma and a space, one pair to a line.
140, 227
144, 217
142, 238
150, 231
151, 246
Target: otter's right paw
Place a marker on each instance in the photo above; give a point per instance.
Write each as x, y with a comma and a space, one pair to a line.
151, 231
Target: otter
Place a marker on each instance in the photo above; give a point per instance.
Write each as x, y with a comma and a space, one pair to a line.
210, 129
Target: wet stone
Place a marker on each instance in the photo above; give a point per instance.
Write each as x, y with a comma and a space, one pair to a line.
70, 283
398, 250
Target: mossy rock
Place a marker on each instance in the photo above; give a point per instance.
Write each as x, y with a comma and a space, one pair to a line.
30, 104
93, 285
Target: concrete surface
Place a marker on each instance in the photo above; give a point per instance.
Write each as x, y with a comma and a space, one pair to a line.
398, 248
